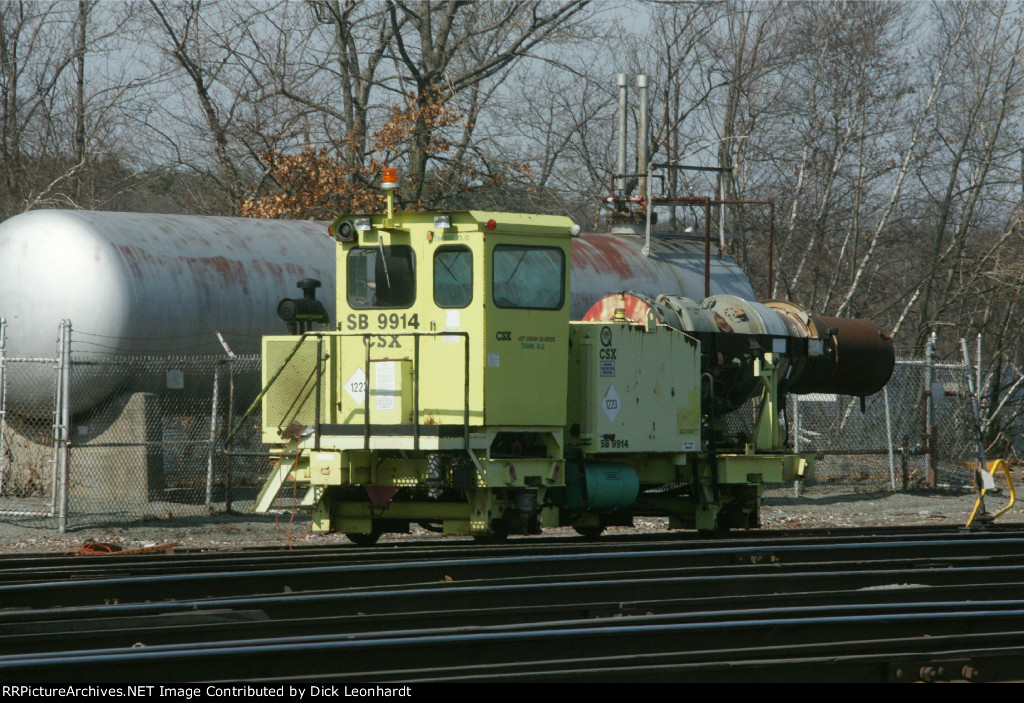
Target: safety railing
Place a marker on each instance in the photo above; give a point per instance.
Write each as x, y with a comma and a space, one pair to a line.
317, 388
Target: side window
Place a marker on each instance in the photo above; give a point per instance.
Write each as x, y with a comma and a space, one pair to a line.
381, 277
453, 277
528, 277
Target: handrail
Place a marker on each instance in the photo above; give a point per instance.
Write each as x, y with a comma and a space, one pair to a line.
263, 392
366, 400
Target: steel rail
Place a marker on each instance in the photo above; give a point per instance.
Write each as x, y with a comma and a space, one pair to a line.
153, 573
907, 660
35, 638
577, 569
503, 615
524, 547
362, 656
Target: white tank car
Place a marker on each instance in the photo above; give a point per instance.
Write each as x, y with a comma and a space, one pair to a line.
143, 284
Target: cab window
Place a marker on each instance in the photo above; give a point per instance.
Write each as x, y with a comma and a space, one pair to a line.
381, 277
528, 277
453, 277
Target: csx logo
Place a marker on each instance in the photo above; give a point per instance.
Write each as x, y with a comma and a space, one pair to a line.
504, 335
608, 354
390, 341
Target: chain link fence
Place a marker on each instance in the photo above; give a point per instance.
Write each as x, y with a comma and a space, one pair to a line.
153, 446
122, 439
129, 438
28, 452
30, 457
918, 433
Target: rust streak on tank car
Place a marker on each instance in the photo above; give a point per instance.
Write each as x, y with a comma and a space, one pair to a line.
137, 258
608, 252
231, 271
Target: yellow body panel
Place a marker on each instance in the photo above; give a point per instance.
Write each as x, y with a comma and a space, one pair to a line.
525, 354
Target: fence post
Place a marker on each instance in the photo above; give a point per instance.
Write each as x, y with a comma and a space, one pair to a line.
231, 418
929, 412
796, 439
65, 419
213, 434
4, 468
55, 429
888, 439
978, 385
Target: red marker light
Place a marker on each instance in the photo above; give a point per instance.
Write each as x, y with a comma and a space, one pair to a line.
491, 224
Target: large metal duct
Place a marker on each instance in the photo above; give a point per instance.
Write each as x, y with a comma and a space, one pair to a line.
846, 356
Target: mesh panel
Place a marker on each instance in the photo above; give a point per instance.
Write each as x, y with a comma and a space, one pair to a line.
150, 448
740, 421
27, 470
292, 396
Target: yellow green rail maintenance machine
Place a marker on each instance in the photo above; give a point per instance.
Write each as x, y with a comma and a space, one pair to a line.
455, 392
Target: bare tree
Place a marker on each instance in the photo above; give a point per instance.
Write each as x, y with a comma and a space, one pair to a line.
349, 41
749, 53
56, 120
193, 49
972, 145
454, 47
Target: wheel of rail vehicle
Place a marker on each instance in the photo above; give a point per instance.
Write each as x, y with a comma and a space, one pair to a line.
363, 540
589, 531
496, 535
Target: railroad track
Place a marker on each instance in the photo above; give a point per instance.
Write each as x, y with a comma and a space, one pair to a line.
896, 605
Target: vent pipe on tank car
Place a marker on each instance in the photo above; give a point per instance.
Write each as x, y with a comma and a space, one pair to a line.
620, 161
641, 137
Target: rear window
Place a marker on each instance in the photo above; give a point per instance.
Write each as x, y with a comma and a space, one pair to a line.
528, 277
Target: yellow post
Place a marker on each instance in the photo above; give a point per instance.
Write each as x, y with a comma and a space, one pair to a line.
993, 466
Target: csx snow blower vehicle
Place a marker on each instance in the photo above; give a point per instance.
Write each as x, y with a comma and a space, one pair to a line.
454, 391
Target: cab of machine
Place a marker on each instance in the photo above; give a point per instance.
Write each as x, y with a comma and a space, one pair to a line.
431, 300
